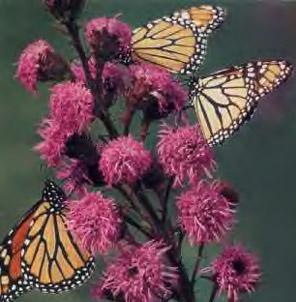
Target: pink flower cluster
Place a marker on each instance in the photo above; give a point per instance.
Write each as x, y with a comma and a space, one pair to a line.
32, 61
147, 243
71, 106
205, 215
115, 77
184, 154
95, 222
108, 36
75, 177
52, 146
139, 274
154, 91
236, 271
71, 111
124, 160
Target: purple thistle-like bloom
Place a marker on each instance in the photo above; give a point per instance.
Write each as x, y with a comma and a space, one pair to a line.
205, 214
72, 105
38, 62
52, 148
139, 274
95, 222
124, 160
115, 77
184, 154
154, 90
236, 271
108, 37
75, 176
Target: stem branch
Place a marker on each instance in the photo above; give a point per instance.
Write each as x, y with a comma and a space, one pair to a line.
197, 263
214, 293
136, 225
166, 200
100, 112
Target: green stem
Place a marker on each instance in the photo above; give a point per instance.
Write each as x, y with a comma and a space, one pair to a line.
214, 293
137, 226
166, 200
186, 293
145, 202
197, 263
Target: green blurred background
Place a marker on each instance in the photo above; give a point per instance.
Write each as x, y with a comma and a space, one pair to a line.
259, 161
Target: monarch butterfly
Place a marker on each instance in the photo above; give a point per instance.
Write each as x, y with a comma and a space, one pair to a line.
40, 253
177, 43
205, 17
226, 99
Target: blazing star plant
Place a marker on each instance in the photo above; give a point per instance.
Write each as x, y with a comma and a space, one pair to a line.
138, 201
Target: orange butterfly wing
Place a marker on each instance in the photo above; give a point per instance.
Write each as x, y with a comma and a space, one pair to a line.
206, 17
12, 282
40, 252
226, 99
51, 258
172, 43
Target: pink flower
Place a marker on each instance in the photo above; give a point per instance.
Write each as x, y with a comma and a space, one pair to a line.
236, 271
72, 105
95, 222
124, 160
75, 175
155, 91
108, 37
205, 214
78, 72
38, 62
115, 77
52, 148
184, 153
227, 191
139, 274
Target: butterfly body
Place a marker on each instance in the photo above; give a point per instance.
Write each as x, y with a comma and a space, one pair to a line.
42, 252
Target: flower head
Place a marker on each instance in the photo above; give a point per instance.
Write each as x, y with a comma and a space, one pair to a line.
52, 148
184, 153
236, 271
204, 213
124, 160
95, 222
64, 9
139, 274
227, 190
75, 175
154, 91
39, 62
72, 105
115, 77
108, 37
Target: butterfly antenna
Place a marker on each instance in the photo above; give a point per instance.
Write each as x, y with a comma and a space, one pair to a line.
118, 15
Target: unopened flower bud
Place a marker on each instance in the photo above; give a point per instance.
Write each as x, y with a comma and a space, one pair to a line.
65, 9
